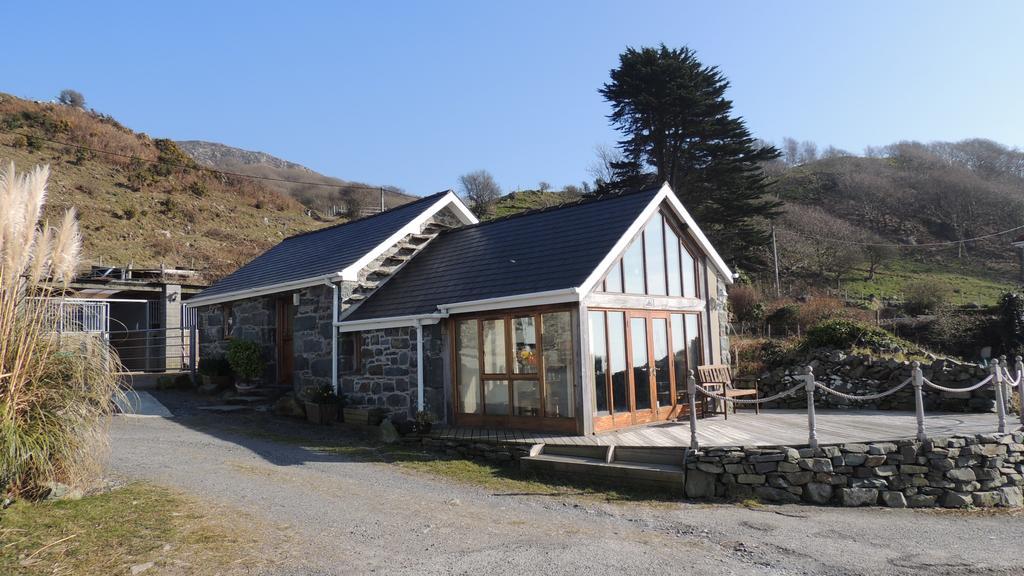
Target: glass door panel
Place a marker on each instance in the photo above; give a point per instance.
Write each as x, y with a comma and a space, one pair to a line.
524, 342
662, 372
617, 361
599, 353
679, 351
469, 367
526, 398
556, 338
496, 397
641, 364
494, 346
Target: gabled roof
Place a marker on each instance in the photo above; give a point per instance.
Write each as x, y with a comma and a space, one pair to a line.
532, 252
551, 255
336, 252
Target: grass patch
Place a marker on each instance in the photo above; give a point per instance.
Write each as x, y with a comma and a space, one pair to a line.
356, 444
109, 533
969, 285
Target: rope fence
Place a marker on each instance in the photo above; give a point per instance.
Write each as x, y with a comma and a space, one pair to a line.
1001, 380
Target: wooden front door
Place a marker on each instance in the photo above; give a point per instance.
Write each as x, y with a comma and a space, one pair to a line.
285, 340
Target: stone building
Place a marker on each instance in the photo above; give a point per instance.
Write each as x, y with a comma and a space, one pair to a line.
578, 318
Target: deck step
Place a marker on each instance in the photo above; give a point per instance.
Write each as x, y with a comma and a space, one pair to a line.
651, 475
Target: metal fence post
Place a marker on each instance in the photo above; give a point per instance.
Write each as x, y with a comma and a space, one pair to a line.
691, 392
193, 354
997, 377
917, 378
1019, 369
812, 432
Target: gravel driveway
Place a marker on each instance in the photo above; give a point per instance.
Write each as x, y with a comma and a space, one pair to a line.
333, 515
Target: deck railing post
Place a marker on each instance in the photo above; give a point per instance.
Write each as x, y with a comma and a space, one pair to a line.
812, 432
1019, 369
691, 392
917, 379
997, 381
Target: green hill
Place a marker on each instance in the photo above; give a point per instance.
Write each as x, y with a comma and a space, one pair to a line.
134, 210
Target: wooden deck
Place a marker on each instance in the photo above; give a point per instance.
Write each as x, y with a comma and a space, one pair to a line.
771, 427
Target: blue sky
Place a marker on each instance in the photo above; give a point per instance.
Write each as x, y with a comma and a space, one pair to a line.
415, 93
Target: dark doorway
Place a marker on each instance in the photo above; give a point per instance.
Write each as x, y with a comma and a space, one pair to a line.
285, 339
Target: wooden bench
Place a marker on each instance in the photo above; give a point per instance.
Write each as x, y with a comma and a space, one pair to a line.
717, 378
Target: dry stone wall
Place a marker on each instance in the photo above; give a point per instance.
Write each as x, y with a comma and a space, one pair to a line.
983, 470
863, 375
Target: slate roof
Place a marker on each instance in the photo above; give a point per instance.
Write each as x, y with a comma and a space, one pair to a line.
320, 252
536, 251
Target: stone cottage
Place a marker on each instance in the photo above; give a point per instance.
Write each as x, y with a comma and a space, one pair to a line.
578, 318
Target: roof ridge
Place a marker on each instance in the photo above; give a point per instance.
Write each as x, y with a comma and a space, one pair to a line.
586, 199
368, 217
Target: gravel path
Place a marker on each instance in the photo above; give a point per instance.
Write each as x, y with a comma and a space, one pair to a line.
332, 515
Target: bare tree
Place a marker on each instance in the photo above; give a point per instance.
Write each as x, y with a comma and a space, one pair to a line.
602, 170
833, 152
543, 186
791, 151
480, 191
808, 152
69, 97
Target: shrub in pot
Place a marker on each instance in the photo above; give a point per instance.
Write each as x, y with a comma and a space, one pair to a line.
215, 373
322, 405
246, 362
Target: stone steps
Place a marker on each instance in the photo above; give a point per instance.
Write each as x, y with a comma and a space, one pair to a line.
645, 467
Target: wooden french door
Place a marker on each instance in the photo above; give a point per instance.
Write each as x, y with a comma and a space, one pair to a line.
285, 340
653, 370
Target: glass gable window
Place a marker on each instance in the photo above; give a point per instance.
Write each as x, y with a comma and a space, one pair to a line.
633, 268
658, 262
518, 365
654, 255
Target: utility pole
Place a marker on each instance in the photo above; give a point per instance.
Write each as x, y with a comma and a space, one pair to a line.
775, 253
381, 198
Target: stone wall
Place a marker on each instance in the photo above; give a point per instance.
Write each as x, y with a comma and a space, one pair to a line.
861, 375
982, 470
253, 319
311, 329
387, 375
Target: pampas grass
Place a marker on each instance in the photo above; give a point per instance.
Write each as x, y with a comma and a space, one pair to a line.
56, 390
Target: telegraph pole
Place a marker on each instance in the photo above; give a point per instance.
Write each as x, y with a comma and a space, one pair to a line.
381, 198
775, 254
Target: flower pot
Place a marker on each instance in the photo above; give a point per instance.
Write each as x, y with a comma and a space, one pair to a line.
321, 413
244, 386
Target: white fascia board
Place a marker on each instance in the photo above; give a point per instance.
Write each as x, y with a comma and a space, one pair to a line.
698, 234
513, 301
664, 194
262, 290
393, 322
351, 272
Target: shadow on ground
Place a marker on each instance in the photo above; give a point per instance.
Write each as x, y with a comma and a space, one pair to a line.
282, 441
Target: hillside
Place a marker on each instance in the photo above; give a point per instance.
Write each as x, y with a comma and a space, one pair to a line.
339, 193
135, 210
916, 196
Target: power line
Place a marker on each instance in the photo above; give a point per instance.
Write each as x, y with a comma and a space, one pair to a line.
887, 245
197, 166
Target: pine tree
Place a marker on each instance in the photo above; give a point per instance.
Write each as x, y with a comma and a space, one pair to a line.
678, 127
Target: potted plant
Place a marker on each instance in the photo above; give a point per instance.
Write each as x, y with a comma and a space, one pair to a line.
424, 421
215, 373
246, 362
322, 405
